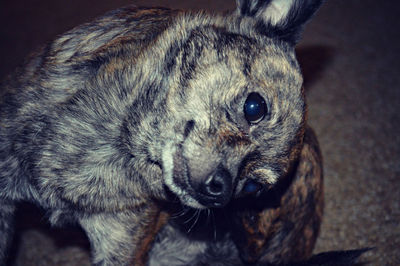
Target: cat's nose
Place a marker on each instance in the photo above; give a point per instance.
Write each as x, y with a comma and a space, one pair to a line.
216, 190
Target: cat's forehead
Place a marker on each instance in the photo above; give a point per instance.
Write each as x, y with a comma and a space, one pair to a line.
235, 75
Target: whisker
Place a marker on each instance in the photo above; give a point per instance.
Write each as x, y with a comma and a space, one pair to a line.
181, 213
214, 225
198, 212
178, 214
208, 216
190, 218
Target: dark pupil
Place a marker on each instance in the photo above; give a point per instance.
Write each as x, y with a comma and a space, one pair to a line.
254, 108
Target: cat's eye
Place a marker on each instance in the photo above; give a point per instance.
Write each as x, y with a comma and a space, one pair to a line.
251, 187
255, 108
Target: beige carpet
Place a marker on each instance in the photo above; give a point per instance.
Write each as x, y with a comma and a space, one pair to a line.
350, 56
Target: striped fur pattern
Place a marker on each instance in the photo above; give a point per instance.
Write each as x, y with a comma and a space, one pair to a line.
118, 117
280, 226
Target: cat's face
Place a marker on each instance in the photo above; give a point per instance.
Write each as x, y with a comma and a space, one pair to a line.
234, 115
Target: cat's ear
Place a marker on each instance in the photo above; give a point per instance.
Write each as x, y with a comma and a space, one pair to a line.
282, 19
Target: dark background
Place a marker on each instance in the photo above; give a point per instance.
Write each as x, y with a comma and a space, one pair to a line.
350, 59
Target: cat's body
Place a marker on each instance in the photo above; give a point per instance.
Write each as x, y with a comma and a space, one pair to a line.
115, 119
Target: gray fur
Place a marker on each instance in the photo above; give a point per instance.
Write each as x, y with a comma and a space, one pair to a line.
119, 112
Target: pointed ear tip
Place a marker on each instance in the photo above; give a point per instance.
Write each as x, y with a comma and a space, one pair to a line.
278, 18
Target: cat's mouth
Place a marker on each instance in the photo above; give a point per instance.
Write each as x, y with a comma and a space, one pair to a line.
212, 188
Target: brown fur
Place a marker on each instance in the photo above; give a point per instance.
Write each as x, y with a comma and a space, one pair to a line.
265, 235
